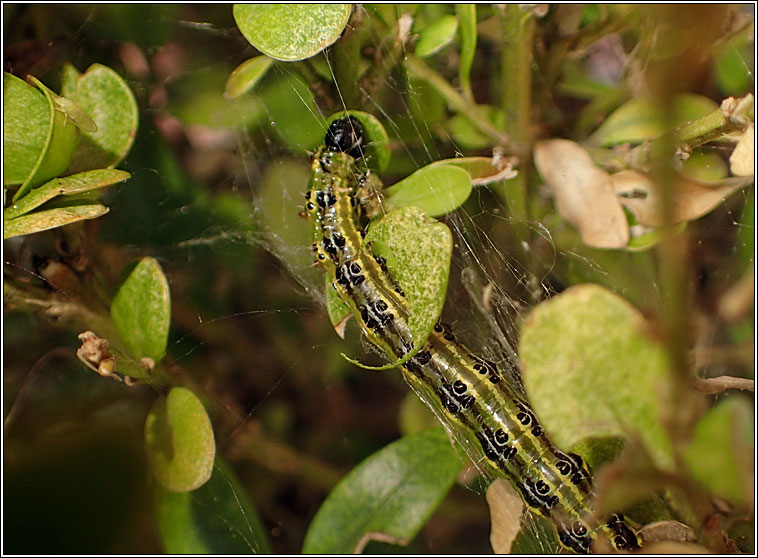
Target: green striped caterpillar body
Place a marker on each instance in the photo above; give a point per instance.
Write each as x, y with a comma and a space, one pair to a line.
469, 395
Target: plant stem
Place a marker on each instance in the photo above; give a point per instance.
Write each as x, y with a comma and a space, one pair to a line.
517, 32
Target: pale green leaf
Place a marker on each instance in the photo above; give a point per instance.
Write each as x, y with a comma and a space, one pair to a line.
246, 75
592, 369
291, 31
51, 218
179, 440
141, 310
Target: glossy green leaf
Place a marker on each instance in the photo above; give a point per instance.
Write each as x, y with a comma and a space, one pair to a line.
293, 112
26, 118
721, 455
246, 75
66, 186
141, 310
438, 189
467, 19
639, 119
179, 441
417, 249
217, 518
51, 218
393, 492
104, 95
61, 140
592, 369
436, 36
377, 152
733, 73
291, 31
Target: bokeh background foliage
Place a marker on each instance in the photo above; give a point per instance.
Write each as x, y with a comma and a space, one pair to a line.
199, 274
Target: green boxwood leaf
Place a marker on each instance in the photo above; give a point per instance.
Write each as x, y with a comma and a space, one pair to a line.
437, 188
721, 455
638, 119
217, 518
179, 440
66, 186
592, 370
246, 75
377, 152
107, 99
290, 105
60, 142
141, 310
51, 218
393, 492
291, 31
417, 249
436, 36
26, 117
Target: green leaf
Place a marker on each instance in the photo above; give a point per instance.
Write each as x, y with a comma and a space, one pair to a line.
26, 117
291, 107
217, 518
107, 99
291, 31
197, 99
467, 19
733, 73
721, 455
69, 185
60, 142
417, 249
141, 310
436, 36
51, 218
393, 492
469, 136
246, 75
179, 440
639, 119
592, 369
377, 153
437, 188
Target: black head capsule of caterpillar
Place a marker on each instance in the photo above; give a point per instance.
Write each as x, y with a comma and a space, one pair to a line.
347, 136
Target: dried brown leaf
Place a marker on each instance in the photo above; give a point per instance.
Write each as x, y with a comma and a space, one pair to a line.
583, 193
691, 198
742, 160
506, 508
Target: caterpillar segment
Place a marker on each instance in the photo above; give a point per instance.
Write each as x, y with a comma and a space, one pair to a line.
468, 394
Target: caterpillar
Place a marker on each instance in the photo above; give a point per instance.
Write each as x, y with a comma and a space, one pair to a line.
486, 415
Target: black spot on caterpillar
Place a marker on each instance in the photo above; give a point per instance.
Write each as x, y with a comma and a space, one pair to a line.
486, 414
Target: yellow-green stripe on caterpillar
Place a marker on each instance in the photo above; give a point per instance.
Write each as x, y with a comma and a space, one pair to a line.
469, 395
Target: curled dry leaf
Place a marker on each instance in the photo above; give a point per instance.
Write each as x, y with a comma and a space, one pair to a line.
583, 193
691, 198
506, 508
742, 160
667, 531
